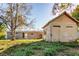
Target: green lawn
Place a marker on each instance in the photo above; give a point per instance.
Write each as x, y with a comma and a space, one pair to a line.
5, 44
42, 48
2, 35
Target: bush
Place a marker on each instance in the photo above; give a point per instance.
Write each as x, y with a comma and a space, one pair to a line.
77, 40
2, 37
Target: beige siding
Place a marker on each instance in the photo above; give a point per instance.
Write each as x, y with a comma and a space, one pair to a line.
47, 36
66, 32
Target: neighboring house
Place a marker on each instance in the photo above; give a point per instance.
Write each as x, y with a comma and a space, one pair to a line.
62, 28
26, 33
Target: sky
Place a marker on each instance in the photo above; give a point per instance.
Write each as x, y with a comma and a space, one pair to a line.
42, 12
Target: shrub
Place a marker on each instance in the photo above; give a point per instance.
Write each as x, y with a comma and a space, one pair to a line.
2, 37
77, 40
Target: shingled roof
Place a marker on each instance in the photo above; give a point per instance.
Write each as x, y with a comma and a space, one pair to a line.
64, 12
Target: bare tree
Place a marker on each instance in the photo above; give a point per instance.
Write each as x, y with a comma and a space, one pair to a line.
15, 15
58, 7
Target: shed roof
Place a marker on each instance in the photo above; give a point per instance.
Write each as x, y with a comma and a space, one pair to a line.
64, 12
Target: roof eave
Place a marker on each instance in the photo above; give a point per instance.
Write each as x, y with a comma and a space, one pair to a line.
59, 16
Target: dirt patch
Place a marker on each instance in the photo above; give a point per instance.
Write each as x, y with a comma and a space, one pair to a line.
38, 53
69, 52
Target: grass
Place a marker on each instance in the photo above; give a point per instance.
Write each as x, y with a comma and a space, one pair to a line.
5, 44
41, 48
2, 33
19, 41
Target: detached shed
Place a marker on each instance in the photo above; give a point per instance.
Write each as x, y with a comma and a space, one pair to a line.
62, 28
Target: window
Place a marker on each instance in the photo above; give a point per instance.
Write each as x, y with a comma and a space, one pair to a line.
56, 26
69, 26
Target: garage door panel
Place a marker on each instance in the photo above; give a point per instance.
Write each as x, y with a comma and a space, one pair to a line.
55, 33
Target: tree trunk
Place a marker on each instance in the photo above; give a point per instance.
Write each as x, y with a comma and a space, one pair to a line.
12, 23
13, 35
